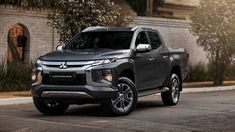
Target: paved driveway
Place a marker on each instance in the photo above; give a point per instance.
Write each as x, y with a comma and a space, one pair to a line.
210, 111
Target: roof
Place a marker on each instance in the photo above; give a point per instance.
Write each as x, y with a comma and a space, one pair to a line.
100, 29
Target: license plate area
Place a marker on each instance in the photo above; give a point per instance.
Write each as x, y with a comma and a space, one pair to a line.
62, 76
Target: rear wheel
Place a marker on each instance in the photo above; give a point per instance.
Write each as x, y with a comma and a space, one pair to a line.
125, 101
172, 96
50, 108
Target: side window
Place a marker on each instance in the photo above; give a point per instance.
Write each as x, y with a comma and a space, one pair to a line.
141, 39
154, 39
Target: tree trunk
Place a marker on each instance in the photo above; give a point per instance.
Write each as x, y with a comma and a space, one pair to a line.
218, 71
149, 8
219, 68
219, 75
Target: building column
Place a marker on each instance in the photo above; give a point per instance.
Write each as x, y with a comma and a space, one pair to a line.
53, 39
149, 8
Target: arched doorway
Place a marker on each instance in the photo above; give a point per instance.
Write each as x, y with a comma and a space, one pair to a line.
18, 44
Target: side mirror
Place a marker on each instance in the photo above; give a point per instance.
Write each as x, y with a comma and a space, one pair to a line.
60, 47
143, 47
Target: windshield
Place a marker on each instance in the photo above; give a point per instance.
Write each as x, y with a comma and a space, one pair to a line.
101, 40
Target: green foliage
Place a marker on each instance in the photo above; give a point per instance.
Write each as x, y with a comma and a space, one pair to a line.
202, 72
14, 77
11, 2
213, 23
198, 73
230, 73
72, 16
31, 3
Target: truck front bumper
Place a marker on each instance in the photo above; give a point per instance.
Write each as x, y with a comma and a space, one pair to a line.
73, 91
89, 81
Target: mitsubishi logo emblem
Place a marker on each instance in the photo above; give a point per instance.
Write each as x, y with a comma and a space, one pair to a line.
63, 65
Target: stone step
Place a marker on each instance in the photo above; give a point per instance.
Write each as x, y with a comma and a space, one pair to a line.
160, 22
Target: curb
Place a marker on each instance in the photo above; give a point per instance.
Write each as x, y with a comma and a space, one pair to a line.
26, 100
16, 101
208, 89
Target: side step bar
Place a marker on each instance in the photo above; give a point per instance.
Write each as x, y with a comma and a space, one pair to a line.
152, 91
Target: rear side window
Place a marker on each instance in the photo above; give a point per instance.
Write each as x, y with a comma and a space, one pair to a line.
154, 39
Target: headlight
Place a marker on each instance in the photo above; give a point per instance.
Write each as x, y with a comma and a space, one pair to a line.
105, 61
36, 77
37, 74
102, 74
38, 63
107, 75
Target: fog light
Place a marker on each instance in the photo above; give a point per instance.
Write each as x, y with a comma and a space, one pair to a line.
107, 75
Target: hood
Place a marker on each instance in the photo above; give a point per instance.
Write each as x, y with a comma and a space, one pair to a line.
84, 55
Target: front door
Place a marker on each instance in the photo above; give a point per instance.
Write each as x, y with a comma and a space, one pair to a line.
144, 64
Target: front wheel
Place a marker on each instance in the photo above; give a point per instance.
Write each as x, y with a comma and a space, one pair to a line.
125, 101
49, 108
172, 96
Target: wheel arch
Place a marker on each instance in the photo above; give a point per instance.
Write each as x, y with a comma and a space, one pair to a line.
129, 73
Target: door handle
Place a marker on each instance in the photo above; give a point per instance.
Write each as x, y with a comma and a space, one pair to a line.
151, 59
165, 57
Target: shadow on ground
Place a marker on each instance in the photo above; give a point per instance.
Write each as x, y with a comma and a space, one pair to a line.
97, 110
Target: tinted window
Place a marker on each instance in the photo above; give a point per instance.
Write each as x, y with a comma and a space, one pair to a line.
141, 39
101, 40
155, 40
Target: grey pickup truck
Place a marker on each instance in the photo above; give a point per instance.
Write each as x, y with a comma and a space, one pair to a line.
111, 66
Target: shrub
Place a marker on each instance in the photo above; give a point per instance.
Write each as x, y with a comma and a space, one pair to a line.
15, 77
199, 72
31, 3
203, 72
230, 72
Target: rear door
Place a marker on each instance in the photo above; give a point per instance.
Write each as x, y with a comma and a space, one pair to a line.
161, 61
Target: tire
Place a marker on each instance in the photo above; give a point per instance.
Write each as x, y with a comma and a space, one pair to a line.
172, 96
126, 99
49, 108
